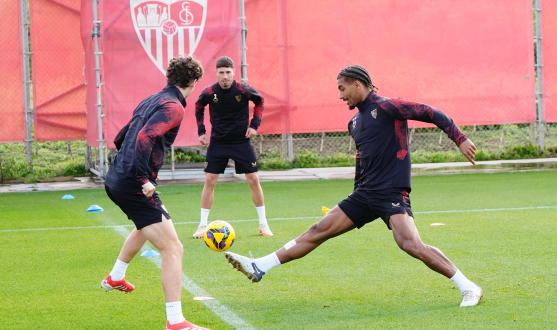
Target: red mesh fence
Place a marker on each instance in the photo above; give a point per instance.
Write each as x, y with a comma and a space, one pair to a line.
59, 88
138, 39
549, 52
12, 125
474, 62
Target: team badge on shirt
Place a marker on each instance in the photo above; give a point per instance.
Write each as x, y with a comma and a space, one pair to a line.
238, 98
215, 99
374, 113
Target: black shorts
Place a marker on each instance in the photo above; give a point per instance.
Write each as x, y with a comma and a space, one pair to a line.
365, 206
242, 154
140, 209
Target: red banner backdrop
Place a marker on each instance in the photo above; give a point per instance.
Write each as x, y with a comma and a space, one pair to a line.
473, 61
138, 37
549, 53
12, 125
59, 83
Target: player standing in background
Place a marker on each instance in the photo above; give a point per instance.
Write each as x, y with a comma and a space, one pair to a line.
382, 183
231, 135
130, 183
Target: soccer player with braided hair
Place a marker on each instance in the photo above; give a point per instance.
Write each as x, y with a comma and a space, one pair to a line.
381, 185
142, 145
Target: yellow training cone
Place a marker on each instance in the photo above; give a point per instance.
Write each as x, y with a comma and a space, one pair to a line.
325, 209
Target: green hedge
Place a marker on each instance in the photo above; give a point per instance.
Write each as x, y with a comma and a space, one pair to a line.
54, 160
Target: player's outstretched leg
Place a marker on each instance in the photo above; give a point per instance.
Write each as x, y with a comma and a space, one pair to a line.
333, 224
115, 280
408, 239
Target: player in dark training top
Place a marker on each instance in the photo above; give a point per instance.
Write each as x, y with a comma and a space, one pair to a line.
231, 133
130, 183
382, 183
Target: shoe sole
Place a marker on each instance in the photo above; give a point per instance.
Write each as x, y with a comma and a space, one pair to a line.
481, 298
108, 287
236, 264
265, 234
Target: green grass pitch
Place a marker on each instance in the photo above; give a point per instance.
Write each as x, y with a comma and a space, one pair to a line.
49, 279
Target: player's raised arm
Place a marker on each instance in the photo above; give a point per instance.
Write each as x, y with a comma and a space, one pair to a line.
407, 110
200, 116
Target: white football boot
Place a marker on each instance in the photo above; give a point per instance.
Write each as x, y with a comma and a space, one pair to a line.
471, 297
199, 232
265, 230
245, 265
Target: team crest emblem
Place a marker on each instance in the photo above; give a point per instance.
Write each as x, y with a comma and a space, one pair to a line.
215, 99
168, 28
374, 113
238, 98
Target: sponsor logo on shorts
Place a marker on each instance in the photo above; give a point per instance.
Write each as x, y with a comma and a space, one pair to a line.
374, 113
238, 98
396, 204
254, 164
206, 164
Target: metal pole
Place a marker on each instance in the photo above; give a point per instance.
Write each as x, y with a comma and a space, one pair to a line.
290, 148
539, 65
173, 168
26, 54
96, 34
243, 48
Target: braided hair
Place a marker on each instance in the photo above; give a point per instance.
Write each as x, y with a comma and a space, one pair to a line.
356, 72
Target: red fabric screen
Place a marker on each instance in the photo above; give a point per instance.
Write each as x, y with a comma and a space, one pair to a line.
549, 53
59, 88
471, 60
136, 49
12, 125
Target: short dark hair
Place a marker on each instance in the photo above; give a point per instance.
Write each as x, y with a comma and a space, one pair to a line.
225, 62
182, 70
356, 72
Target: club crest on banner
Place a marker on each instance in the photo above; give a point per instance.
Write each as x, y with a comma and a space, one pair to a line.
168, 28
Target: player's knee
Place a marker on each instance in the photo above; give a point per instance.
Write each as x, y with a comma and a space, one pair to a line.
174, 247
253, 180
211, 181
413, 248
178, 248
317, 233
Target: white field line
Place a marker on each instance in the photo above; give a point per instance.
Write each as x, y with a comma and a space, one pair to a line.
279, 219
214, 305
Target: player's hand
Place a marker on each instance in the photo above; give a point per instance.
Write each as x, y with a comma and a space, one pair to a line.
468, 149
250, 133
148, 189
203, 139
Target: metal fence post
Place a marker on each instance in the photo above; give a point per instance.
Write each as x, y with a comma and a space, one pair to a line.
243, 48
539, 65
96, 34
26, 56
290, 148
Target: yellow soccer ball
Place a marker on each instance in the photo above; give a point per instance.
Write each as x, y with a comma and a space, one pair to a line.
219, 235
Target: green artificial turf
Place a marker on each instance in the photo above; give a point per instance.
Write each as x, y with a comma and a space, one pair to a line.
53, 256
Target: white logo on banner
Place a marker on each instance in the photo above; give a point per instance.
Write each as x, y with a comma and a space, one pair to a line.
167, 28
